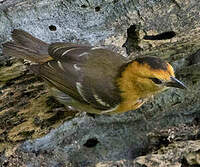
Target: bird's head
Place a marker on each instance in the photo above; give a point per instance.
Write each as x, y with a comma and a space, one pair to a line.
148, 76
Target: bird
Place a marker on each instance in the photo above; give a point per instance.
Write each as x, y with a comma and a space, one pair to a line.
93, 79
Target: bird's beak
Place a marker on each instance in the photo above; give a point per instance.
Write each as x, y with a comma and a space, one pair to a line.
175, 83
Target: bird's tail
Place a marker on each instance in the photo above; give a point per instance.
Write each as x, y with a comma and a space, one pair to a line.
26, 46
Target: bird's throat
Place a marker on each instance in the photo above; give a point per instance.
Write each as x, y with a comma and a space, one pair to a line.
129, 105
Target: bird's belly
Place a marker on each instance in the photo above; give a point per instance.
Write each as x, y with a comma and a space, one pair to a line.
83, 107
128, 105
71, 103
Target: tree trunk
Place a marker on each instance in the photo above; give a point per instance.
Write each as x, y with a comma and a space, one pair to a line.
164, 132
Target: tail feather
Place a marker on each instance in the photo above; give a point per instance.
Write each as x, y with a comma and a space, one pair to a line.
12, 49
25, 39
27, 47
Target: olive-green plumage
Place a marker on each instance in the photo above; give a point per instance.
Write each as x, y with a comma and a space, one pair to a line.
93, 79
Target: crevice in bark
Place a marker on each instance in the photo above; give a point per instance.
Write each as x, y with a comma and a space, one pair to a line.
132, 41
161, 36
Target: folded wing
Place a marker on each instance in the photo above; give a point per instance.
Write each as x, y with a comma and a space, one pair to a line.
85, 73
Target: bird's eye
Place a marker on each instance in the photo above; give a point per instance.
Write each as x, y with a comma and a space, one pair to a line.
156, 80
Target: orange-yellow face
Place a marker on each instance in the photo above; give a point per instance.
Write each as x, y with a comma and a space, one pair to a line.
147, 76
150, 80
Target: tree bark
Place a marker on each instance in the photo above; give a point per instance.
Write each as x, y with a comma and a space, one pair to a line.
164, 132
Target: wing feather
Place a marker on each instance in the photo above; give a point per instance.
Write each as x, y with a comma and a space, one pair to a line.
71, 50
85, 73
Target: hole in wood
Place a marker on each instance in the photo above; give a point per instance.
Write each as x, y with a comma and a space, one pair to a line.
91, 142
97, 9
83, 6
52, 28
161, 36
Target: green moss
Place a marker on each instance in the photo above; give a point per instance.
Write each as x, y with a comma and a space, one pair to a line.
14, 71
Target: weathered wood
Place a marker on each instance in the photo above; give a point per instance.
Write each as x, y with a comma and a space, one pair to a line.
143, 137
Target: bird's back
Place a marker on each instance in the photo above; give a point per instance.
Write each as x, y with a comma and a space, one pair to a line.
88, 76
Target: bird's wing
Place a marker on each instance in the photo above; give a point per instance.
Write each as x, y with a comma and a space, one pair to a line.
60, 49
88, 76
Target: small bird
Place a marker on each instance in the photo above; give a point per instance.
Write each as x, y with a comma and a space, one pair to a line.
93, 79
